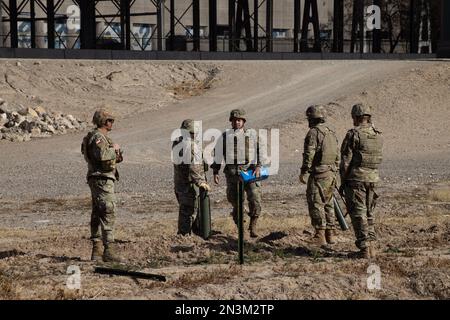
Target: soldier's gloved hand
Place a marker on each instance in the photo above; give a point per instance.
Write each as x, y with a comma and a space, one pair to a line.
304, 178
257, 172
205, 186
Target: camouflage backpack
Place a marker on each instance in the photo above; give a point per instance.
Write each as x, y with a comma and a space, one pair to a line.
369, 152
328, 149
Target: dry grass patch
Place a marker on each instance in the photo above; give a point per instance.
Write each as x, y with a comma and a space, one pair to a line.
440, 195
198, 278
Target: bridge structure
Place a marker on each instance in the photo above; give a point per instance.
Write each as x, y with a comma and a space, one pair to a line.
81, 24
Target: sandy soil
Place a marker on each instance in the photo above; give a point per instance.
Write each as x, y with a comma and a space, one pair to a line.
44, 201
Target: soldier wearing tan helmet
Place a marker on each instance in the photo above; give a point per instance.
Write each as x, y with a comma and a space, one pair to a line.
188, 179
361, 156
232, 170
102, 156
318, 171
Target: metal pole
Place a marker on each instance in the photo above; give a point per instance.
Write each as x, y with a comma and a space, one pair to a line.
255, 26
444, 43
196, 23
160, 21
122, 24
172, 25
269, 25
33, 24
231, 24
13, 23
1, 25
88, 28
376, 33
240, 214
297, 24
212, 25
127, 24
361, 26
338, 26
51, 24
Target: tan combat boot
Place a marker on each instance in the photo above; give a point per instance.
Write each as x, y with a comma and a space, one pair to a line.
110, 253
96, 251
329, 236
364, 253
252, 227
319, 237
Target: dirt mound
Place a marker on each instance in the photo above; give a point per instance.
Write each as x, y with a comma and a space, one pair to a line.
80, 87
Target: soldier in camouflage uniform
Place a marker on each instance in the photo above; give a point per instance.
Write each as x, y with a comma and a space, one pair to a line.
188, 179
319, 168
234, 165
102, 155
361, 156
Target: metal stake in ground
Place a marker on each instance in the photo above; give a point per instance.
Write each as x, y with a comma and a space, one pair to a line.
240, 216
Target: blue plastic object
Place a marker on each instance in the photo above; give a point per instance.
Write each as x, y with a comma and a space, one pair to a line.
247, 176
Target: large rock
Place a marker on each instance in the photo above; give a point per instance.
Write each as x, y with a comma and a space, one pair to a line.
10, 124
27, 126
3, 119
40, 111
18, 118
4, 108
23, 111
35, 132
65, 123
32, 113
48, 128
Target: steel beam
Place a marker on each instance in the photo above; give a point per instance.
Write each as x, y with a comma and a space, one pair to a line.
376, 33
87, 24
444, 43
231, 24
50, 24
13, 23
338, 26
297, 15
310, 15
212, 25
172, 25
160, 22
269, 25
255, 25
196, 23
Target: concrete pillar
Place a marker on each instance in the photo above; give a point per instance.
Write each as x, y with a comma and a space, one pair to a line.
41, 34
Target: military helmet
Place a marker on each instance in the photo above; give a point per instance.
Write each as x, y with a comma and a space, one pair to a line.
360, 109
316, 112
188, 125
238, 114
100, 117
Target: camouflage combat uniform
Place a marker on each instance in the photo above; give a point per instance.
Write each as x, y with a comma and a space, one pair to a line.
102, 175
232, 170
361, 154
321, 160
188, 177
